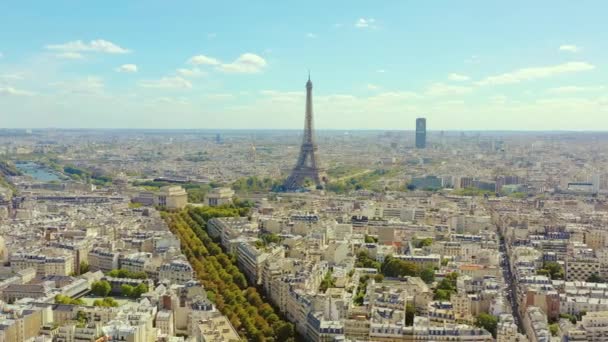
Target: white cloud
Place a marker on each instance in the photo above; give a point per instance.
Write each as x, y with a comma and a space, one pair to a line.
69, 55
574, 89
246, 63
172, 101
569, 48
311, 35
90, 85
127, 68
12, 76
194, 72
1, 55
203, 60
381, 71
533, 73
372, 87
98, 45
441, 89
219, 96
10, 91
365, 23
458, 77
403, 95
174, 82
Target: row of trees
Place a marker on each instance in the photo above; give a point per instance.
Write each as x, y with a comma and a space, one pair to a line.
87, 176
121, 273
361, 289
106, 302
268, 238
133, 291
446, 287
255, 184
472, 192
61, 299
394, 267
368, 181
102, 288
327, 282
225, 284
342, 171
488, 322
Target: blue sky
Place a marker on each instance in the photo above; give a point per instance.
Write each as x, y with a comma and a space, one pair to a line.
515, 65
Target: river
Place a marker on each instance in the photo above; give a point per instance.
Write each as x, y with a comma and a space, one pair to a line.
38, 172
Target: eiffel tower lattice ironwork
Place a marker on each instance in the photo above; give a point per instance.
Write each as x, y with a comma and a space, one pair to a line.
307, 166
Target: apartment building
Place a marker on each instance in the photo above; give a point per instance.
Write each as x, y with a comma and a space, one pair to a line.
250, 259
595, 324
101, 259
55, 263
177, 271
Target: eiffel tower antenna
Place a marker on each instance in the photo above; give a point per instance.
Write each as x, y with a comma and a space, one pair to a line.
307, 165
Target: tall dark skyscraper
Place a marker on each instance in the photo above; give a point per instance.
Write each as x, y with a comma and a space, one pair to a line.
420, 133
307, 166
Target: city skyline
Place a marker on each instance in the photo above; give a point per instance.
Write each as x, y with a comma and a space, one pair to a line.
160, 66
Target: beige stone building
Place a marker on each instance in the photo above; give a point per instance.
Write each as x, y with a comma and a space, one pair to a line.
172, 197
219, 196
216, 328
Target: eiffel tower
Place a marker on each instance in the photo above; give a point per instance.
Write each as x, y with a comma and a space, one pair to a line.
307, 166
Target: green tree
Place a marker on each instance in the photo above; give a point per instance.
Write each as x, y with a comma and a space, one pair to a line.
370, 239
268, 238
572, 318
595, 278
393, 267
442, 295
107, 302
84, 267
283, 331
364, 260
487, 322
101, 288
556, 271
121, 273
544, 272
81, 317
61, 299
139, 290
423, 243
126, 290
217, 271
410, 313
554, 329
378, 278
428, 275
327, 282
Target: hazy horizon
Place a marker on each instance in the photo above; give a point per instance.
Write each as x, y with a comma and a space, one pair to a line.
219, 130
